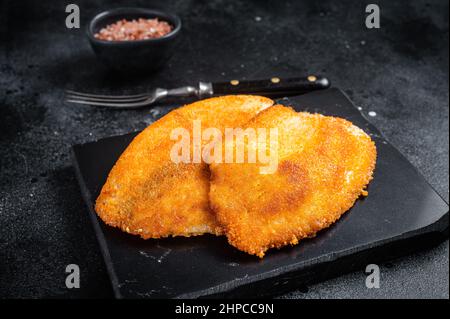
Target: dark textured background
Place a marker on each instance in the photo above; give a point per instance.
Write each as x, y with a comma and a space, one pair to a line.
399, 71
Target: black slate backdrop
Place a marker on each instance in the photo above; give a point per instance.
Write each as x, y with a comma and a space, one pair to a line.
399, 71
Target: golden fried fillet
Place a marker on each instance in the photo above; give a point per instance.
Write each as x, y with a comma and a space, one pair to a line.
324, 165
147, 194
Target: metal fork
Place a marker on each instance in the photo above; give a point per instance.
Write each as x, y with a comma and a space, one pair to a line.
268, 87
138, 100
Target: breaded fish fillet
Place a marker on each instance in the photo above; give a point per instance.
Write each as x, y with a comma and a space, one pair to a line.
147, 194
324, 165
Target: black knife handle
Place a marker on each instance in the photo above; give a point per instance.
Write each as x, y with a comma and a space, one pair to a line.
273, 86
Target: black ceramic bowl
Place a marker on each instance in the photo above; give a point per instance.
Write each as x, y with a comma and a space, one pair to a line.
137, 55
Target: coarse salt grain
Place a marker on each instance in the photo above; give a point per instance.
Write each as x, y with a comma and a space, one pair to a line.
137, 29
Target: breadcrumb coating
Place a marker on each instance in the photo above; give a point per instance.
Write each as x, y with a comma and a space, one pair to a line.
149, 195
324, 165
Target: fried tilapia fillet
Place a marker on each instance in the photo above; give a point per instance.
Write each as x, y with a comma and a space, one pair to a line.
324, 165
147, 194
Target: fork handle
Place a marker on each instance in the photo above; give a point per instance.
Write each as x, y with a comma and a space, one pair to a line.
269, 87
272, 87
184, 91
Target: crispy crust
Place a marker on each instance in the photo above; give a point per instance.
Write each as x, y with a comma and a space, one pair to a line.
149, 195
324, 165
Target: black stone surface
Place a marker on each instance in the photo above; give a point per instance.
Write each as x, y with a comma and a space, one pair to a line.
401, 212
399, 71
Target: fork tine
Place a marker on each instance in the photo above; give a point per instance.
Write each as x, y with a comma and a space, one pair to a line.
105, 99
118, 105
112, 97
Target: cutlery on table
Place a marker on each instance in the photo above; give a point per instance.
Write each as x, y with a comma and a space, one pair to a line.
274, 87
